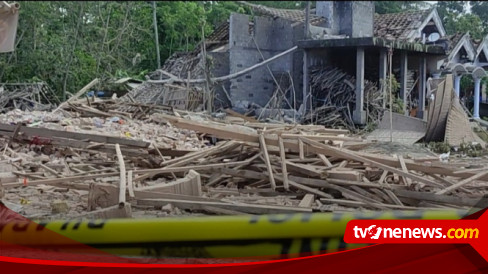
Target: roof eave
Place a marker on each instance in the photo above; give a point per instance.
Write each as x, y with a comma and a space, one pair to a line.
433, 15
371, 42
466, 42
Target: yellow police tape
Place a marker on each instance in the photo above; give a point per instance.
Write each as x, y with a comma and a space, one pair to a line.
207, 237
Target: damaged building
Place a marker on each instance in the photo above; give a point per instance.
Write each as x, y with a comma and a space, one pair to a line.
343, 35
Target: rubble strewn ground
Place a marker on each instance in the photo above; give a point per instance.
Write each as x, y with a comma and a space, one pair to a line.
182, 163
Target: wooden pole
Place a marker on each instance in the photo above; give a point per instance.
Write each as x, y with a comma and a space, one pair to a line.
156, 36
209, 97
390, 60
123, 181
307, 20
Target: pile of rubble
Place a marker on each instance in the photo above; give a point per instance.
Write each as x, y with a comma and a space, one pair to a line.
27, 96
85, 162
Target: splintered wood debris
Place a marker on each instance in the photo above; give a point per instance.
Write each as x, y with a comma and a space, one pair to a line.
95, 160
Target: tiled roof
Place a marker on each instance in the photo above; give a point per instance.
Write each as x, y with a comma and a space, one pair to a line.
454, 40
288, 14
476, 42
220, 34
398, 25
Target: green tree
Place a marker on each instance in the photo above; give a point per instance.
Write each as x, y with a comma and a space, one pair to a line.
217, 12
450, 9
480, 8
382, 7
283, 4
180, 26
67, 44
456, 18
465, 23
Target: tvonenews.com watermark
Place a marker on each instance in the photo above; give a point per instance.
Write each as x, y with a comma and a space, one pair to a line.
375, 232
466, 231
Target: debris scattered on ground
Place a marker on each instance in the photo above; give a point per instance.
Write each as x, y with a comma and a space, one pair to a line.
27, 96
103, 163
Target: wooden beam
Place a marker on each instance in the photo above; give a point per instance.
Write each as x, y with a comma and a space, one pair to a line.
462, 183
407, 180
56, 181
267, 161
344, 153
78, 94
248, 208
438, 198
309, 189
307, 201
123, 179
325, 160
326, 182
49, 133
283, 163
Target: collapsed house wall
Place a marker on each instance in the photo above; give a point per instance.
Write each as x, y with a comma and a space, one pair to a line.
272, 36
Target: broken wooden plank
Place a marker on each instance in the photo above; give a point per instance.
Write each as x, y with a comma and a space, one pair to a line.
383, 177
248, 208
462, 183
244, 117
307, 201
78, 94
49, 133
404, 168
305, 170
284, 171
347, 175
55, 181
309, 189
267, 161
326, 182
325, 160
439, 198
130, 184
393, 197
363, 204
353, 156
123, 179
300, 149
223, 211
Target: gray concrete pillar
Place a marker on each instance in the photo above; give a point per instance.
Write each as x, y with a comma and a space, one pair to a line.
476, 110
457, 84
383, 72
359, 115
306, 89
403, 79
422, 87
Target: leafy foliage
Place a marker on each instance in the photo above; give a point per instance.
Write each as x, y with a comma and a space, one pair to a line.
382, 7
456, 18
480, 8
68, 43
